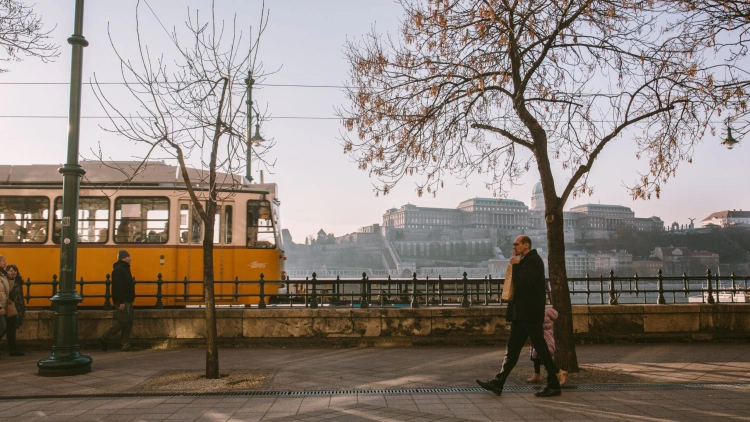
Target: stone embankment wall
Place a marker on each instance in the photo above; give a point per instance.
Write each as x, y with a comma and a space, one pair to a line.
398, 327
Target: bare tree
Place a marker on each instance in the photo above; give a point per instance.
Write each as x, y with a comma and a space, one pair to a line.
724, 27
194, 106
22, 33
496, 87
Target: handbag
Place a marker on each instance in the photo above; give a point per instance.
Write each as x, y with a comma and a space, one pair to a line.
10, 309
508, 287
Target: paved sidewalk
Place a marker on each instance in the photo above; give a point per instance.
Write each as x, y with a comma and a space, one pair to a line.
388, 369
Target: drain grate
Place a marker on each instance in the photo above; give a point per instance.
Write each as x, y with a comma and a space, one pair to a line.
271, 393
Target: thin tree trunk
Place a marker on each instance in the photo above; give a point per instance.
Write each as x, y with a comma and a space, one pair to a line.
565, 352
212, 348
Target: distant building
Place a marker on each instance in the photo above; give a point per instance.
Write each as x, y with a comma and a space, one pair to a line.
508, 214
413, 217
607, 217
647, 267
580, 263
727, 219
676, 261
650, 224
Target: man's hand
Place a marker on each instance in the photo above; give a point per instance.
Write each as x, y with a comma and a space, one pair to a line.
2, 311
121, 307
514, 259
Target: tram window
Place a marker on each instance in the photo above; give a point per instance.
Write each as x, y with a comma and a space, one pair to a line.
228, 224
217, 225
260, 227
24, 219
93, 219
141, 220
190, 225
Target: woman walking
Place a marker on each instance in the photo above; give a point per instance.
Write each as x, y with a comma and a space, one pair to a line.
16, 308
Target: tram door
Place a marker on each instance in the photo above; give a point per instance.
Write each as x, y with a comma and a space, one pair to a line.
190, 250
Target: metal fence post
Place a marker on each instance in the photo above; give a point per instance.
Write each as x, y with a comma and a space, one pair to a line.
710, 290
588, 287
685, 283
107, 293
54, 284
414, 301
382, 296
307, 291
314, 297
159, 281
734, 285
363, 301
440, 289
185, 289
612, 297
28, 289
81, 292
236, 289
262, 292
660, 287
465, 298
337, 289
487, 287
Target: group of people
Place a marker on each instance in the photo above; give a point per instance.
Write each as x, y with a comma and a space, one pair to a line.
12, 307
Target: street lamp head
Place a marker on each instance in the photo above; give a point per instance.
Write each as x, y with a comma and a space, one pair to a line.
257, 139
729, 142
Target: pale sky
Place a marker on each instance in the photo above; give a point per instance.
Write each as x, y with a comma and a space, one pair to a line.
319, 186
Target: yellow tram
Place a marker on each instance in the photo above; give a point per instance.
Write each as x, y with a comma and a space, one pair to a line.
152, 217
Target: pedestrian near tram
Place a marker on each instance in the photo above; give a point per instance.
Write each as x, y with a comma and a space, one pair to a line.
15, 309
123, 295
526, 315
4, 291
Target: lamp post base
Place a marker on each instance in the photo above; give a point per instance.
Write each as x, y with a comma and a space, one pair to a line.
65, 359
63, 367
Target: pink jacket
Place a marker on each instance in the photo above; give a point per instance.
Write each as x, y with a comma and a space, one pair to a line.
550, 314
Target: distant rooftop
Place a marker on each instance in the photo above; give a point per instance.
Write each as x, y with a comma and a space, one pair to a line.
728, 214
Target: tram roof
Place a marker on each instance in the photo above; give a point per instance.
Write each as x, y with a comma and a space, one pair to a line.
119, 173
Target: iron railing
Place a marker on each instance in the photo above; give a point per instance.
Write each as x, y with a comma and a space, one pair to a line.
414, 292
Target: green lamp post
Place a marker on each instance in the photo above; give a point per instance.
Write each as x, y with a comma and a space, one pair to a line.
255, 139
65, 359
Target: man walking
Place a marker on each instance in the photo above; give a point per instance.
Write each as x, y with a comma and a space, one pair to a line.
123, 294
526, 315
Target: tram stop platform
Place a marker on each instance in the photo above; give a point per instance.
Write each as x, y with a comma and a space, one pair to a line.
646, 382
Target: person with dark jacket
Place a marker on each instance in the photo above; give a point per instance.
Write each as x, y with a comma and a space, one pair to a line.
16, 297
123, 295
526, 315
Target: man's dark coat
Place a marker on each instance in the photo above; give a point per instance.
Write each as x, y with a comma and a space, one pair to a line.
530, 294
123, 289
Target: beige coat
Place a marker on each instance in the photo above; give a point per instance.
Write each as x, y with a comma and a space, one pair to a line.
4, 291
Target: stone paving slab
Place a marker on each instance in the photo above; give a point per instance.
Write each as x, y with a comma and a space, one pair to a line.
668, 405
385, 368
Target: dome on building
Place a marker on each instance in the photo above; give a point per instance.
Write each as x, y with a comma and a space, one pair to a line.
537, 189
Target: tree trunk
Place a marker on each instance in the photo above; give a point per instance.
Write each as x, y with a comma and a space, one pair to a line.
212, 348
565, 352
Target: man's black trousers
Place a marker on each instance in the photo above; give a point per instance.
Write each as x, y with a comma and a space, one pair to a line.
519, 332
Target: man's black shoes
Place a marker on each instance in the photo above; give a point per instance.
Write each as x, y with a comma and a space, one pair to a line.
548, 392
494, 385
103, 344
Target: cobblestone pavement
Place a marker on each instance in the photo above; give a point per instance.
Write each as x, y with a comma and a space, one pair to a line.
367, 369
